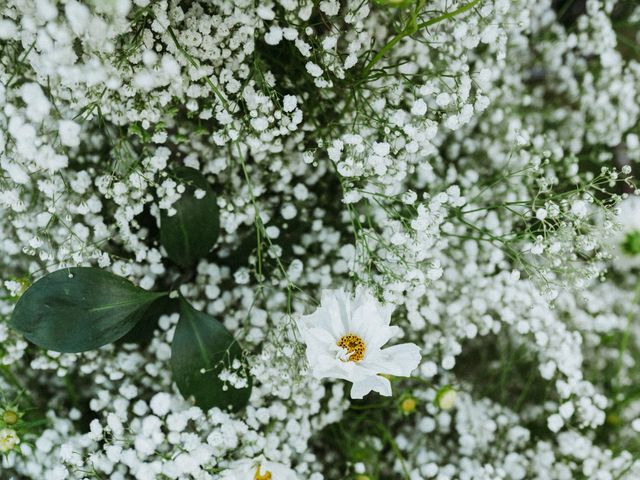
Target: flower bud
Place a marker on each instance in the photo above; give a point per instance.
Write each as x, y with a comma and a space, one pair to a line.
446, 398
10, 417
408, 405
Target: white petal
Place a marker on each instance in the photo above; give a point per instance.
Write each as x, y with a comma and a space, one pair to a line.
310, 321
365, 322
384, 311
335, 305
325, 318
338, 300
380, 336
326, 367
319, 336
374, 383
398, 360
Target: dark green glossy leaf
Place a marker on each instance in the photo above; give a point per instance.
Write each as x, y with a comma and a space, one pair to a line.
79, 309
202, 348
189, 235
142, 332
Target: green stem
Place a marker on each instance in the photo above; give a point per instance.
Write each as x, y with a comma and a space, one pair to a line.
9, 375
409, 29
396, 450
195, 64
412, 28
448, 15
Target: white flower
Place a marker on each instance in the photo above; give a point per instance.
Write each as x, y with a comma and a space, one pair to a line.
69, 132
446, 398
273, 36
555, 423
160, 403
419, 108
541, 214
289, 103
579, 208
258, 469
344, 339
8, 440
314, 69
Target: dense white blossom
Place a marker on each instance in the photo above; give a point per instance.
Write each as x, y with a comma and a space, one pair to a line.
466, 165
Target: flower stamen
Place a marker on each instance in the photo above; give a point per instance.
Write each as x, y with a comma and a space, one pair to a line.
354, 345
265, 476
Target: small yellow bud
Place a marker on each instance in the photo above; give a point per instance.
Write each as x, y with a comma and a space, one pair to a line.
408, 405
10, 417
363, 477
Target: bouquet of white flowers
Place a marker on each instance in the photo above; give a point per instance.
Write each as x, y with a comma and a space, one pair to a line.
319, 239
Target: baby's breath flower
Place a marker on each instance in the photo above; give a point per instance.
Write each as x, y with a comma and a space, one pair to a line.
9, 440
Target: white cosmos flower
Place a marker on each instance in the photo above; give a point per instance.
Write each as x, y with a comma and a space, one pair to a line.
344, 339
258, 469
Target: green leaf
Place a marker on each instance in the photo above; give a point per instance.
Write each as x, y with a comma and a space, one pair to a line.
202, 348
142, 333
79, 309
189, 235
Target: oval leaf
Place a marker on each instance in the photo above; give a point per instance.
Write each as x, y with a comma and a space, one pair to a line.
79, 309
189, 235
142, 333
202, 347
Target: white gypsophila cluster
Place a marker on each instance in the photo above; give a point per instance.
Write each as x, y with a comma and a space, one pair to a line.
466, 164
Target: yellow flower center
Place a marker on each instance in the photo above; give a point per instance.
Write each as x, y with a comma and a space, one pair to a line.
265, 476
354, 345
408, 405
